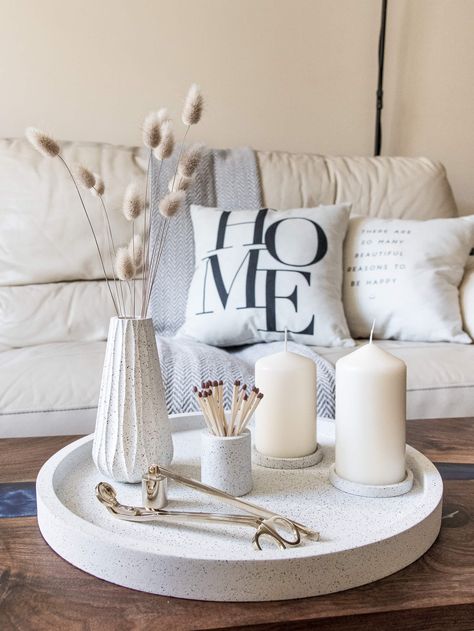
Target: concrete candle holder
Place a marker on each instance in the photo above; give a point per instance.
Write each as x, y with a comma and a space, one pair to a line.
288, 463
226, 462
371, 490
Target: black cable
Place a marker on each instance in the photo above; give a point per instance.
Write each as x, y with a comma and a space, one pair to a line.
379, 105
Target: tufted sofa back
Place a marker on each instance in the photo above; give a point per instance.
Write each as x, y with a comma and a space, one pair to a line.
405, 188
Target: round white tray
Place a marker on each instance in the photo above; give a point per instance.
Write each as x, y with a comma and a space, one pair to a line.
362, 539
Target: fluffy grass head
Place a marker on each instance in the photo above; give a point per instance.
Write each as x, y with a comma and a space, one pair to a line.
99, 187
193, 106
124, 267
190, 160
172, 203
85, 177
133, 202
42, 142
163, 115
180, 183
135, 250
152, 130
166, 146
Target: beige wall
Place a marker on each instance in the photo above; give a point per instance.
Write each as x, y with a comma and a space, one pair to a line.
297, 75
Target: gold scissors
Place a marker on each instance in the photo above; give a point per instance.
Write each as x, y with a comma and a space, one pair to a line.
281, 531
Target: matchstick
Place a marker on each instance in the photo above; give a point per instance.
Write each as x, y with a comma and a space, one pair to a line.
210, 410
221, 404
215, 412
251, 412
233, 411
218, 400
207, 420
240, 402
245, 409
211, 403
245, 399
205, 414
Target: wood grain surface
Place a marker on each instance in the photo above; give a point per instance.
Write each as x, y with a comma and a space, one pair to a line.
37, 585
40, 591
22, 458
443, 440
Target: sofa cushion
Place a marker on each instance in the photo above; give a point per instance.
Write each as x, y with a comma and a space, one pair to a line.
50, 389
45, 237
440, 376
408, 188
257, 271
405, 275
466, 297
53, 388
56, 312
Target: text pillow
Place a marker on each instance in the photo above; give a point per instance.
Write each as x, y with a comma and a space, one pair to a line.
259, 271
405, 274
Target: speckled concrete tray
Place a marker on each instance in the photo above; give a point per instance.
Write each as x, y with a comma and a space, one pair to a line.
362, 539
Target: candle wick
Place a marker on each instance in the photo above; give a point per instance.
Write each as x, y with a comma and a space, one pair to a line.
286, 339
372, 331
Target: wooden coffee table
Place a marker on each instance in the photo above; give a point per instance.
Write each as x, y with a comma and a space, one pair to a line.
38, 590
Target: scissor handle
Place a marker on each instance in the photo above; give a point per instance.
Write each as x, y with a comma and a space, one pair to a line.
267, 528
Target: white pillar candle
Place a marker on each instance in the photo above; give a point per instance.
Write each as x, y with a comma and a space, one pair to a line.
370, 416
285, 421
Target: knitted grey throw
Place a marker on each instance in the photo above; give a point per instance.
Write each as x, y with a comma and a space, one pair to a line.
226, 179
185, 363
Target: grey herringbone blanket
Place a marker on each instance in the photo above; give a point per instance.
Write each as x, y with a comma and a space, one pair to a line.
225, 179
188, 363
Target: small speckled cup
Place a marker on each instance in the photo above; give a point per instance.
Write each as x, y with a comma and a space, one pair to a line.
226, 462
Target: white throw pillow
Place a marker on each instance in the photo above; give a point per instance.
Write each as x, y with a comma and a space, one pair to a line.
405, 274
259, 271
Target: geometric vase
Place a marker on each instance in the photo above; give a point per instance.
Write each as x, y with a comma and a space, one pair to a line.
132, 428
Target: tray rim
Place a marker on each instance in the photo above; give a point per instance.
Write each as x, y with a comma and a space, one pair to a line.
299, 572
193, 421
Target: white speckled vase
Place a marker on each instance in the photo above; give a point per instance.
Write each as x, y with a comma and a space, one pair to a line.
132, 428
226, 462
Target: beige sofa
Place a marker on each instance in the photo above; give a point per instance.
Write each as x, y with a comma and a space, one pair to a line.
54, 309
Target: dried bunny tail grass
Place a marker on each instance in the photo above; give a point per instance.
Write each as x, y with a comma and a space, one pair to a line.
133, 202
190, 159
166, 146
152, 130
99, 186
193, 106
180, 183
85, 177
42, 142
124, 266
171, 203
135, 250
163, 115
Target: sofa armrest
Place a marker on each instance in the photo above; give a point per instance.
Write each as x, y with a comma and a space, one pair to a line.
466, 297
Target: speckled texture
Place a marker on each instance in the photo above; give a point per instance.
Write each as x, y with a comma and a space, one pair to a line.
288, 463
226, 462
362, 539
132, 428
371, 490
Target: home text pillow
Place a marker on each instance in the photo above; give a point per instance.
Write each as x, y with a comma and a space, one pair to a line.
405, 274
259, 271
